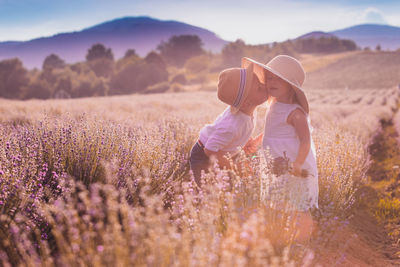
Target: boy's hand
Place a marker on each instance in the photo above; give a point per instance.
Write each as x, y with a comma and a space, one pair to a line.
252, 145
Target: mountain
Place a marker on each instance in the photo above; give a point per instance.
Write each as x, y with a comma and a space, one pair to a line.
388, 37
364, 35
316, 34
140, 33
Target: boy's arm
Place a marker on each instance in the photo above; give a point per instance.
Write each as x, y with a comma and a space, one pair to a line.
224, 162
299, 121
253, 145
220, 156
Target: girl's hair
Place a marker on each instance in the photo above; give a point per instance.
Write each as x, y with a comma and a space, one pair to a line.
295, 97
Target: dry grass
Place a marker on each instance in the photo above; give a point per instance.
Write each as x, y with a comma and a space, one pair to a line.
358, 71
313, 62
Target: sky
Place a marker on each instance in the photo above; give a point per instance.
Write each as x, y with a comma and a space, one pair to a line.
253, 21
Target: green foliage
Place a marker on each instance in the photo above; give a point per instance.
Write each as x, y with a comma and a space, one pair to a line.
86, 85
261, 53
384, 174
155, 59
13, 78
100, 75
158, 88
53, 62
49, 76
232, 53
99, 51
324, 45
384, 153
38, 88
130, 53
388, 209
136, 77
101, 60
81, 67
62, 83
287, 48
176, 87
198, 64
180, 48
102, 67
126, 80
199, 78
121, 63
179, 78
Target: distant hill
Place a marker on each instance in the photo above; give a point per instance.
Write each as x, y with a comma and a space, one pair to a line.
364, 35
370, 35
316, 35
140, 33
357, 70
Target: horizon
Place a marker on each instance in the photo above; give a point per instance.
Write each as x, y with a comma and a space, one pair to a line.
23, 21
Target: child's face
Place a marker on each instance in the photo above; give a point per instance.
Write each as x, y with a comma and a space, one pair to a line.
258, 92
277, 87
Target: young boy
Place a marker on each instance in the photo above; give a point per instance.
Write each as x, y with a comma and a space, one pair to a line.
242, 90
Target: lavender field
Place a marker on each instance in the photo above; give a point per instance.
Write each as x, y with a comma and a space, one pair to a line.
105, 182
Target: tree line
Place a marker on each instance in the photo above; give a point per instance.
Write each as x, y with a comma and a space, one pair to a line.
171, 63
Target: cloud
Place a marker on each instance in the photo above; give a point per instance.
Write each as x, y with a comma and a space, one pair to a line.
373, 15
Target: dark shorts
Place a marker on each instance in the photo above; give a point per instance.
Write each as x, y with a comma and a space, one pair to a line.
199, 161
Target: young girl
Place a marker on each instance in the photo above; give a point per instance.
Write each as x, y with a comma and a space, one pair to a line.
287, 135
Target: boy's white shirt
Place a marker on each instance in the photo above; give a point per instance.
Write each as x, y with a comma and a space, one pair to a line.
228, 133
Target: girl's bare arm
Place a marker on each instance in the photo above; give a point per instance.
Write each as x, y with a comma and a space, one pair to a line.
299, 121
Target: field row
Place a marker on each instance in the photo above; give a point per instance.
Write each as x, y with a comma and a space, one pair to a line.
370, 97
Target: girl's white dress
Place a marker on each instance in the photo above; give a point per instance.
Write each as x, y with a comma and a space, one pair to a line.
280, 139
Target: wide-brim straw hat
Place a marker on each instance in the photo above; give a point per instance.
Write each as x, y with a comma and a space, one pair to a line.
285, 67
234, 85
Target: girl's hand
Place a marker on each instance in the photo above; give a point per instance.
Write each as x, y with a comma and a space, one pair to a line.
296, 169
253, 145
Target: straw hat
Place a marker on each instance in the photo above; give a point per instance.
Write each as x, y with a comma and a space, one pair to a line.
285, 67
234, 85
